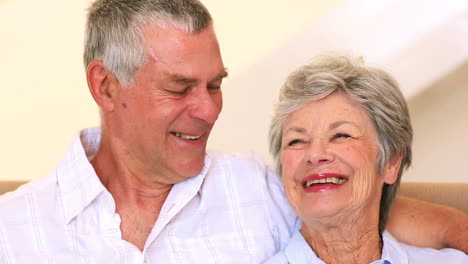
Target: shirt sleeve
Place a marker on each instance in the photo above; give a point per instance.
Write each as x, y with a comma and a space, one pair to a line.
281, 212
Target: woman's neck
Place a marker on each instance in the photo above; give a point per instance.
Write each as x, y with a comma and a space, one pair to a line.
353, 240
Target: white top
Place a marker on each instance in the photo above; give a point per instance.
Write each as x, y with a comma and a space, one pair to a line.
234, 211
393, 252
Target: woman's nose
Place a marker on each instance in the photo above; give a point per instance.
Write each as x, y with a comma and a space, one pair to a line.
319, 154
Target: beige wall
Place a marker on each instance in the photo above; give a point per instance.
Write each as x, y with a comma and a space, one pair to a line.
433, 80
45, 99
43, 90
44, 95
440, 123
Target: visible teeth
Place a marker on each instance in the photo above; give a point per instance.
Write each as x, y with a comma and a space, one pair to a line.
334, 180
185, 136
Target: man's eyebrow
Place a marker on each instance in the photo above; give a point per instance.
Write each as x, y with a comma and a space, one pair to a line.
221, 75
178, 78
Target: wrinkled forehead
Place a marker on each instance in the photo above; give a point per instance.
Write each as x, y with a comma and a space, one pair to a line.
331, 110
156, 38
183, 57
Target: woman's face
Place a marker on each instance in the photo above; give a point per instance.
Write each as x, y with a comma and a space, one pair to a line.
329, 159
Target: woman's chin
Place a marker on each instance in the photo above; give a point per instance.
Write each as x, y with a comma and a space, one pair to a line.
322, 205
314, 213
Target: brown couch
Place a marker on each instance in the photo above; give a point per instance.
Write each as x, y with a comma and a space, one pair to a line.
452, 194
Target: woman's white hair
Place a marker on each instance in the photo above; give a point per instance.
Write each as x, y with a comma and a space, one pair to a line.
372, 88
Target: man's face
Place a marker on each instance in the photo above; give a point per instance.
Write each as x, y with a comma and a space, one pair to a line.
163, 119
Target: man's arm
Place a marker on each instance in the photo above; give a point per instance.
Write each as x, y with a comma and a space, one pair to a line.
425, 224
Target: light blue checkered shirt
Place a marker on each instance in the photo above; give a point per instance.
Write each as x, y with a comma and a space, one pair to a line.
298, 251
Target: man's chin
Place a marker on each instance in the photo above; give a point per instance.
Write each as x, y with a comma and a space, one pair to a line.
191, 169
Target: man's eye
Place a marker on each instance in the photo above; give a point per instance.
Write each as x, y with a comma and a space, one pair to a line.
213, 87
179, 92
295, 142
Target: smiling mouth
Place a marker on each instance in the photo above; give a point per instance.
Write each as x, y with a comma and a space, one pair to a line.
330, 180
184, 136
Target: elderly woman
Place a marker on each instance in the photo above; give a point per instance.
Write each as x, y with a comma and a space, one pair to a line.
341, 138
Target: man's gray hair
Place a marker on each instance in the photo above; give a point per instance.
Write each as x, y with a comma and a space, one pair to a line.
372, 88
114, 30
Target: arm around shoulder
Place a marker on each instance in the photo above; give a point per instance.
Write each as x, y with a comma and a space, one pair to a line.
425, 224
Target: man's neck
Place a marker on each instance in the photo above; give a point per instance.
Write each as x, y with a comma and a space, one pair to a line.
138, 214
138, 200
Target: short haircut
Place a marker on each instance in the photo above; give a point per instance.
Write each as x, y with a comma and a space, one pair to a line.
375, 90
114, 30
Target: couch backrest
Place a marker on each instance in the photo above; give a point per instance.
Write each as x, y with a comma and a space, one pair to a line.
8, 186
451, 194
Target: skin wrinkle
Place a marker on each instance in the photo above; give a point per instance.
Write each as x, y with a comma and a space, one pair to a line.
140, 158
338, 247
325, 214
135, 184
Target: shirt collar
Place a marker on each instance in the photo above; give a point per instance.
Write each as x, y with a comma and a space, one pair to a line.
77, 181
178, 198
79, 184
182, 192
392, 250
299, 251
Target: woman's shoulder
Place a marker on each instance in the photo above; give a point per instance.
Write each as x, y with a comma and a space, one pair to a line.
397, 252
430, 255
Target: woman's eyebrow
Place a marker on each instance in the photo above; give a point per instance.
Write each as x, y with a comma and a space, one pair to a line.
339, 123
300, 130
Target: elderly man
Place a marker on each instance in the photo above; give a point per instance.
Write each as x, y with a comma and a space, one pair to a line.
142, 189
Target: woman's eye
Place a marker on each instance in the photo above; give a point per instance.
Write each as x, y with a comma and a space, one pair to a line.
341, 135
294, 142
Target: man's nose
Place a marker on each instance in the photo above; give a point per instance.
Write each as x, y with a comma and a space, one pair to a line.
206, 106
319, 154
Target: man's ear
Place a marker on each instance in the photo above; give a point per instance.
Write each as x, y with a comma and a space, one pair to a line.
390, 172
102, 85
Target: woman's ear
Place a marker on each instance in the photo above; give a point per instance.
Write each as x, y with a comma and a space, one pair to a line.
390, 172
102, 85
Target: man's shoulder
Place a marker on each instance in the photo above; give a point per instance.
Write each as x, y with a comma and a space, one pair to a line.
246, 183
239, 162
36, 192
32, 223
249, 169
